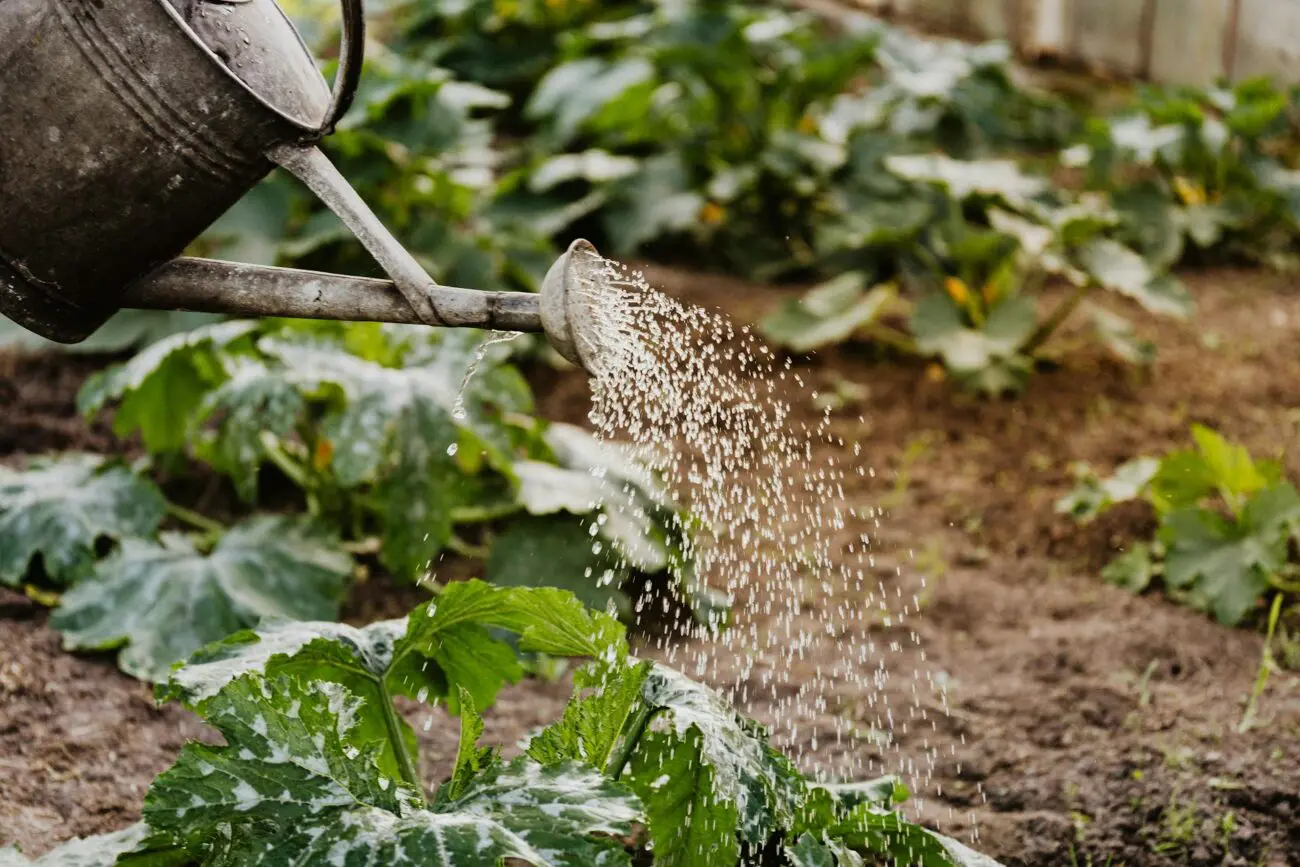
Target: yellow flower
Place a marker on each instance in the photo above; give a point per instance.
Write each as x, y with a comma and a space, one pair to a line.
324, 451
935, 372
957, 290
807, 124
712, 213
1191, 193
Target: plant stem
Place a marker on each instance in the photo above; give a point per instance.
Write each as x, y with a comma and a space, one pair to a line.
296, 472
1267, 665
466, 549
195, 520
405, 762
1059, 315
892, 338
618, 761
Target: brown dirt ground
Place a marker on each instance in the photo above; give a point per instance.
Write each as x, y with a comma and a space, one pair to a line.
1088, 726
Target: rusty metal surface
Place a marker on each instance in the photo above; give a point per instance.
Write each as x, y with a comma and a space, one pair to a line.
208, 286
121, 139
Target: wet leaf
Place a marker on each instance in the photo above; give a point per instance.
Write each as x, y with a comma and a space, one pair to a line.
60, 508
160, 602
692, 824
296, 784
740, 783
605, 698
443, 646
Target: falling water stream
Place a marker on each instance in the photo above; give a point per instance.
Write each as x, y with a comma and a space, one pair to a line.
710, 408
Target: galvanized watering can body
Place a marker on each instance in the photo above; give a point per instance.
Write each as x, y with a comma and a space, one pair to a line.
127, 127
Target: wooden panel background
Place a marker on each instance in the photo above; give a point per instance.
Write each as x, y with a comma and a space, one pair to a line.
1172, 41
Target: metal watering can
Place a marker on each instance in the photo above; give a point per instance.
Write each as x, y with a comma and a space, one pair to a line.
127, 127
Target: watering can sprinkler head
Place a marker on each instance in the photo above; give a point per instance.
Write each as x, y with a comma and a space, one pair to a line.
569, 301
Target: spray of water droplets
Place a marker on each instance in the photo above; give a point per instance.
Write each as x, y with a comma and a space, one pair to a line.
709, 407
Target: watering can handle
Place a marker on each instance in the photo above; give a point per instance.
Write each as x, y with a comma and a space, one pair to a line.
352, 53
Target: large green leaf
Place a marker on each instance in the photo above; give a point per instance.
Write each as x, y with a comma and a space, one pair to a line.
1123, 270
828, 314
742, 772
996, 179
100, 850
296, 784
444, 646
1226, 565
159, 391
59, 509
692, 823
400, 431
161, 602
605, 698
988, 358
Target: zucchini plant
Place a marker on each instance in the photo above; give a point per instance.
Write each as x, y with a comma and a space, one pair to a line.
1229, 526
396, 443
318, 765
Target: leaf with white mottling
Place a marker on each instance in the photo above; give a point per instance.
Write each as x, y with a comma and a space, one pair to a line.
1123, 270
396, 429
99, 850
161, 602
988, 178
296, 785
58, 509
744, 773
159, 391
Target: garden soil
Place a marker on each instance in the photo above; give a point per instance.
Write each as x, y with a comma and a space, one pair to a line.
1087, 726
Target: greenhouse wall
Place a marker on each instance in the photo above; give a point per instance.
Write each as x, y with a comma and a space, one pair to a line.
1171, 41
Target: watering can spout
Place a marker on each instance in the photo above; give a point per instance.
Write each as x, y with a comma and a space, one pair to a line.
561, 310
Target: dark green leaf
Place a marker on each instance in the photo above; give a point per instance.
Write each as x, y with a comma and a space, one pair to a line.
295, 784
160, 390
162, 602
1225, 565
58, 509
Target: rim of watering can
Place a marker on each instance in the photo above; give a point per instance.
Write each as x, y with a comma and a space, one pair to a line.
315, 127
